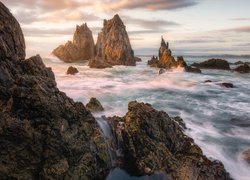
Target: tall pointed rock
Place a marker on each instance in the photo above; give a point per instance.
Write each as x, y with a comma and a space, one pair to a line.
113, 46
82, 47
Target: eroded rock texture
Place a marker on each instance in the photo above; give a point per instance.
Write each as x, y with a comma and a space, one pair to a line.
82, 47
113, 46
43, 133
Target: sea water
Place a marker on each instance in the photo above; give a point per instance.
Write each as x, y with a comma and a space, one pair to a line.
218, 118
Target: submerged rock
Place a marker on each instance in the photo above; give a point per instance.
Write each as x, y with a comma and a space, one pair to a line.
213, 64
192, 69
137, 59
94, 105
151, 141
43, 133
113, 45
243, 68
72, 70
82, 47
161, 71
227, 85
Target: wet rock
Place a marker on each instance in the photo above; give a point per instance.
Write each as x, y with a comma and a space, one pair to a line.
246, 156
240, 121
137, 59
82, 47
239, 63
227, 85
94, 105
98, 63
12, 43
207, 81
192, 69
180, 122
153, 62
243, 68
113, 45
213, 64
151, 141
161, 71
72, 70
43, 133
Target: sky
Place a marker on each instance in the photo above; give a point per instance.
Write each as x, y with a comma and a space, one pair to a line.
192, 27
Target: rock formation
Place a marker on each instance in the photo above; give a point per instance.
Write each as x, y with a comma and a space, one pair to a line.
72, 70
227, 85
167, 61
213, 64
113, 46
94, 105
82, 47
243, 68
152, 141
43, 133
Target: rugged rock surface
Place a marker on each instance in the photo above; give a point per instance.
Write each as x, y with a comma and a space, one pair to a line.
243, 68
43, 133
167, 61
113, 45
10, 32
94, 105
152, 141
153, 62
246, 156
72, 70
213, 64
82, 47
239, 63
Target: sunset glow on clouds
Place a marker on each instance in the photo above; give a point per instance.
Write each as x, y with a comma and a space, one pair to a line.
191, 26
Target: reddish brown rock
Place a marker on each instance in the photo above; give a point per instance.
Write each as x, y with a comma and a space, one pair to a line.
246, 156
82, 47
153, 62
72, 70
113, 45
243, 68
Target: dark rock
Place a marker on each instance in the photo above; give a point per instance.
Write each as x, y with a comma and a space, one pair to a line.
180, 122
98, 63
94, 105
82, 47
161, 71
192, 69
243, 68
246, 156
227, 85
113, 45
137, 59
213, 64
181, 62
151, 141
239, 63
207, 81
12, 43
241, 121
72, 70
43, 133
153, 62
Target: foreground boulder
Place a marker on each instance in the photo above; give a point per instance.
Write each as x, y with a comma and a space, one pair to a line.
43, 133
94, 105
243, 68
82, 47
72, 70
213, 64
167, 61
151, 141
113, 45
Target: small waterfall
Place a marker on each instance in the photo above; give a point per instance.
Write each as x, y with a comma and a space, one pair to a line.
110, 140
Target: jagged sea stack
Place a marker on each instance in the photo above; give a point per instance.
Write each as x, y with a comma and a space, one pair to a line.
82, 47
113, 46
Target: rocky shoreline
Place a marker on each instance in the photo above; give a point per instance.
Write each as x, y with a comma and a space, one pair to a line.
46, 135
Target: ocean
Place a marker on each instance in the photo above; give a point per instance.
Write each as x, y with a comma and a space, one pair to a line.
217, 118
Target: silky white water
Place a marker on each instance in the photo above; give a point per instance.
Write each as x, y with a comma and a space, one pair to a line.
218, 118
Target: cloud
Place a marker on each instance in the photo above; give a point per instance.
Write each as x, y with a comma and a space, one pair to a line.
242, 29
241, 19
145, 4
243, 45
